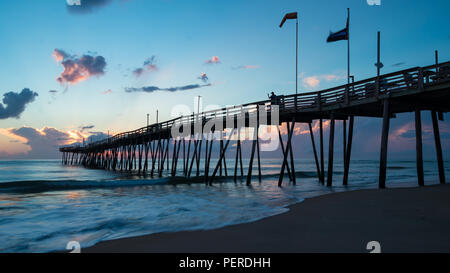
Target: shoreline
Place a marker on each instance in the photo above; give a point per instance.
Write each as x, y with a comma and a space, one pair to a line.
401, 219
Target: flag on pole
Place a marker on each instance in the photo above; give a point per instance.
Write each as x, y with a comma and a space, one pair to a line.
292, 15
340, 35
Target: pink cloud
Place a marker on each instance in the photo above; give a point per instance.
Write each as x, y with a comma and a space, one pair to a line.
78, 69
213, 60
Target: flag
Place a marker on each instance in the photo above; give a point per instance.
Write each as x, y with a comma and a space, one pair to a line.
292, 15
340, 35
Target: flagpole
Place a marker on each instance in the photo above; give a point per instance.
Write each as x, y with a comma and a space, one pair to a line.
296, 64
348, 47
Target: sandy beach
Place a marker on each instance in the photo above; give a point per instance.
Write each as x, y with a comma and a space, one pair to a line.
401, 220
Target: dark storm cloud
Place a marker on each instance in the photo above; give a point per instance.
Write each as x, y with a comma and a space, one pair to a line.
14, 103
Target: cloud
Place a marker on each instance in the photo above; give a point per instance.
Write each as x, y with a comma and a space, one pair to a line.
311, 81
78, 69
213, 60
86, 6
246, 67
84, 128
43, 143
96, 136
203, 77
14, 103
315, 81
399, 64
151, 89
149, 66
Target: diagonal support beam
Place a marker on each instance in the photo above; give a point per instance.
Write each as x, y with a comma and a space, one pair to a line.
280, 181
222, 154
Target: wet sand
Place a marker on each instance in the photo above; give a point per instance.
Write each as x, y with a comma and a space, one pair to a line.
401, 220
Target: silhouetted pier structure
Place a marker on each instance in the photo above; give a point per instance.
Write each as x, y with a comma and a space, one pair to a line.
146, 150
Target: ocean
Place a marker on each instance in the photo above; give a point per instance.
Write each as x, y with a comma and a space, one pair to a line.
44, 205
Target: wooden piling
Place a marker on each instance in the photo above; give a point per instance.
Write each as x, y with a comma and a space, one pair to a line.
194, 157
221, 157
258, 153
322, 157
384, 144
314, 150
349, 150
419, 151
237, 154
209, 156
290, 133
252, 155
199, 152
331, 152
437, 142
284, 152
291, 154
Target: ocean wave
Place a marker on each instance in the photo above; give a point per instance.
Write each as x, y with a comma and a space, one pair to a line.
42, 185
34, 186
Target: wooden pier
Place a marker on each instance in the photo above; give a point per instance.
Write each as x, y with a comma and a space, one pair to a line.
146, 150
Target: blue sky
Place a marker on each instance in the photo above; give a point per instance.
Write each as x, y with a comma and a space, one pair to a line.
182, 35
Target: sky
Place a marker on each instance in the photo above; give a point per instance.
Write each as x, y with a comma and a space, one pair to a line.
71, 72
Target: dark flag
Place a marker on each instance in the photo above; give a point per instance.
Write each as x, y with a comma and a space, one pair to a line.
340, 35
292, 15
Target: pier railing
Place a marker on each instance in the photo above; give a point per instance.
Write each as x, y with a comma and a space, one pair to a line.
416, 78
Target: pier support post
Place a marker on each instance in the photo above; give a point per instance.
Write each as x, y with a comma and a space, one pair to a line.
224, 163
186, 167
349, 150
194, 157
437, 141
322, 157
199, 153
184, 156
344, 137
174, 155
290, 133
384, 144
258, 152
292, 155
176, 158
238, 148
221, 149
314, 150
206, 157
284, 151
252, 155
209, 155
419, 151
187, 157
331, 152
222, 154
